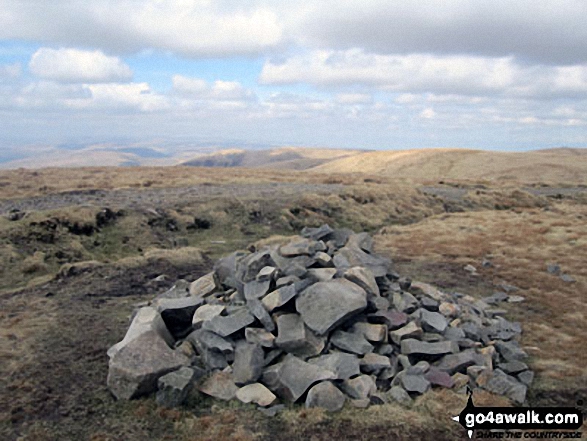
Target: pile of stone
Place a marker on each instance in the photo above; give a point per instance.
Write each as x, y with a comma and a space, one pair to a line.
321, 319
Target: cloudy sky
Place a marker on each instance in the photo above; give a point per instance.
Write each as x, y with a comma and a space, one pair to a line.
490, 74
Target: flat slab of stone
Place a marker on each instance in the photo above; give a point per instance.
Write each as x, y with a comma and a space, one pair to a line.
256, 289
373, 363
260, 336
325, 305
326, 396
219, 385
350, 256
256, 393
415, 383
227, 325
399, 394
206, 312
204, 286
416, 347
295, 337
342, 364
392, 319
352, 342
374, 333
436, 377
295, 377
510, 350
433, 321
178, 314
411, 330
364, 278
459, 362
136, 367
259, 311
279, 297
322, 274
317, 233
203, 339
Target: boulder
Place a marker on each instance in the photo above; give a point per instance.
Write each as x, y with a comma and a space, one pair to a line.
411, 330
206, 312
137, 366
415, 383
266, 274
208, 340
392, 319
433, 321
364, 278
174, 387
327, 396
260, 336
227, 325
248, 364
510, 350
317, 233
360, 387
325, 305
219, 385
295, 337
420, 348
342, 364
295, 377
374, 333
257, 309
374, 363
178, 314
322, 274
256, 289
279, 297
256, 393
351, 342
204, 286
458, 362
399, 394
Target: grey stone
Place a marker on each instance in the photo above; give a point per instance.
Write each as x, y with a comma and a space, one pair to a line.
503, 384
385, 349
513, 367
516, 299
219, 385
459, 362
266, 274
364, 278
322, 274
147, 319
553, 268
342, 364
317, 233
433, 321
392, 319
510, 350
436, 377
360, 387
273, 355
255, 289
361, 240
323, 259
256, 393
325, 305
298, 247
526, 377
135, 368
203, 340
296, 338
178, 314
260, 336
287, 280
339, 236
411, 330
416, 347
360, 404
248, 364
326, 396
374, 363
279, 297
471, 331
419, 368
405, 302
213, 360
567, 279
249, 266
379, 303
429, 304
350, 256
174, 387
398, 394
295, 376
415, 383
454, 333
273, 410
225, 326
351, 342
204, 286
225, 269
258, 310
206, 312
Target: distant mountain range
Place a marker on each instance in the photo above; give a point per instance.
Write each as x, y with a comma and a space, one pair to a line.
559, 164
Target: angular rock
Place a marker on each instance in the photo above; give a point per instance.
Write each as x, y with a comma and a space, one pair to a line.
256, 289
433, 321
503, 384
225, 326
174, 387
364, 278
135, 368
526, 377
375, 333
317, 233
260, 313
415, 383
429, 304
273, 410
325, 305
405, 302
279, 297
204, 286
225, 269
416, 347
327, 396
266, 274
449, 309
323, 259
351, 342
178, 314
513, 367
436, 377
360, 387
350, 256
429, 290
510, 350
411, 330
419, 368
202, 340
459, 362
249, 360
392, 319
147, 319
206, 312
256, 393
322, 274
298, 247
295, 377
287, 280
374, 363
296, 338
219, 385
398, 394
342, 364
260, 336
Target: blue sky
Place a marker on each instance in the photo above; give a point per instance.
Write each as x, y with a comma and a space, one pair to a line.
488, 74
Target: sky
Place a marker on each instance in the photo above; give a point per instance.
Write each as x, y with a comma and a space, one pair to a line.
488, 74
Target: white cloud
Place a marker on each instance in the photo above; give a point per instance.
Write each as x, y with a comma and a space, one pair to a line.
428, 113
419, 73
78, 66
199, 89
10, 71
137, 96
354, 98
188, 27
